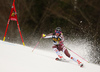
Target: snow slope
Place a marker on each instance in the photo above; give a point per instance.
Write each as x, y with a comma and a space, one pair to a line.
19, 58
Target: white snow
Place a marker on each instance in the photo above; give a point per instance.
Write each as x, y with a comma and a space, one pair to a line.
19, 58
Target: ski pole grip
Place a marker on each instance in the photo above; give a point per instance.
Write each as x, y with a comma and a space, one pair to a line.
43, 35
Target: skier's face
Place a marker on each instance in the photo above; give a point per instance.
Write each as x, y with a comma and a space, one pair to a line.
57, 34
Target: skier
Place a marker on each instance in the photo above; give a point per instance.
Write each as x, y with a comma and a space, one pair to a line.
58, 40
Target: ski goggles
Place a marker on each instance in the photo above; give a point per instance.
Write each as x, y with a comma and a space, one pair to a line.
58, 32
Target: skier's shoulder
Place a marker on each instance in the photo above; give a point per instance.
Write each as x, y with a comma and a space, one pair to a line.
62, 34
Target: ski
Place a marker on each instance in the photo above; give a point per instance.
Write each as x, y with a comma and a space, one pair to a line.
81, 65
64, 60
57, 59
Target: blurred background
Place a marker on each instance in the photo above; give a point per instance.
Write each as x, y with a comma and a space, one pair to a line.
79, 20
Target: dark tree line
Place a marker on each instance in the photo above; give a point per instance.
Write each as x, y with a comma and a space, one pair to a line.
80, 17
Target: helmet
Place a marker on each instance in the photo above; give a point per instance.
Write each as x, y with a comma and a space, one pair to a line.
58, 30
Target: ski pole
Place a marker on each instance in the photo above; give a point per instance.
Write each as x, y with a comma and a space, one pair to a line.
43, 35
36, 44
76, 54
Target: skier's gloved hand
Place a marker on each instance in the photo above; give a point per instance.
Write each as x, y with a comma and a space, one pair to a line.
43, 35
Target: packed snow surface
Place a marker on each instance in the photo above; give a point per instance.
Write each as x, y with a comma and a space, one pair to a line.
19, 58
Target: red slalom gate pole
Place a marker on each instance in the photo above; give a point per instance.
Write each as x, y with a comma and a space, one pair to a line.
76, 54
6, 30
37, 44
20, 33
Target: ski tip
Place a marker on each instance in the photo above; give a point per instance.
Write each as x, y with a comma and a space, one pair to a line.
81, 65
57, 59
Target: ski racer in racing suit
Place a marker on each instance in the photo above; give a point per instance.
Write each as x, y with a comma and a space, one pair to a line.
58, 40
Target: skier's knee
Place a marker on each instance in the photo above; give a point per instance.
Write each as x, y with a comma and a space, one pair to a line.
67, 53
